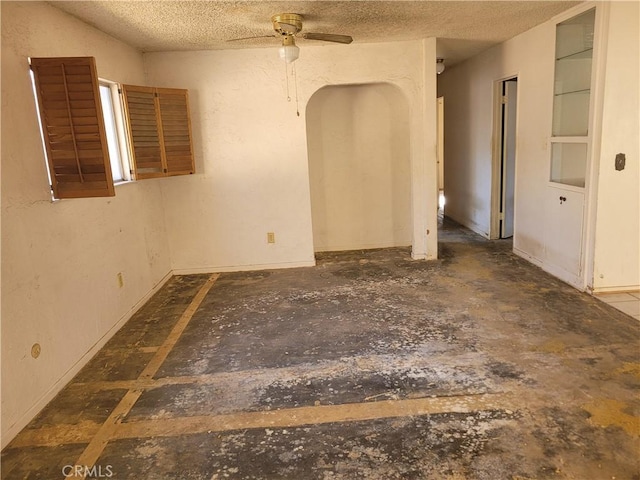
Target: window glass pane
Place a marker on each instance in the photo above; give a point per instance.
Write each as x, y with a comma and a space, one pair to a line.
569, 163
112, 135
44, 147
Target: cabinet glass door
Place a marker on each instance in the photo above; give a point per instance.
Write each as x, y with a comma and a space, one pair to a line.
571, 99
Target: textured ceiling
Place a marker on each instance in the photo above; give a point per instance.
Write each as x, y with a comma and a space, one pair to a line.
463, 28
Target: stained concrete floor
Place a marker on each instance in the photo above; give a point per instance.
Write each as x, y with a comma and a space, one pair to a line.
367, 366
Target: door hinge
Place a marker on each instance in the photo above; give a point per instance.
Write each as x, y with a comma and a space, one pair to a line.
119, 91
501, 216
504, 99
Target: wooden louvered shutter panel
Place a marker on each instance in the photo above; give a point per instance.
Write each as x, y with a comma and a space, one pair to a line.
144, 132
73, 126
176, 130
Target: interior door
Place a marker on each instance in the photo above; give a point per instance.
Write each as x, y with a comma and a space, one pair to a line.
440, 144
508, 177
440, 156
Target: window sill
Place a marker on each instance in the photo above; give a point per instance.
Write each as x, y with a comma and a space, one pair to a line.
123, 182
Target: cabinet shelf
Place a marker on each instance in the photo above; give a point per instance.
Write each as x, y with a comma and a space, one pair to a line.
584, 91
581, 55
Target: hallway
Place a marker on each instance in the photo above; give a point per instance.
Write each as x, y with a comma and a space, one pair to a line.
369, 365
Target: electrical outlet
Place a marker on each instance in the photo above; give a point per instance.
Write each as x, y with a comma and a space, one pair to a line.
271, 237
35, 350
120, 280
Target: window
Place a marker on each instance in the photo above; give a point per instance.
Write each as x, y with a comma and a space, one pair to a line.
93, 140
113, 122
72, 127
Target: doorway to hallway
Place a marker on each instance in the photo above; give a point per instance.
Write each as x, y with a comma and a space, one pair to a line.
504, 158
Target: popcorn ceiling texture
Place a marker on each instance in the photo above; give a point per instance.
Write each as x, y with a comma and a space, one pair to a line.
463, 28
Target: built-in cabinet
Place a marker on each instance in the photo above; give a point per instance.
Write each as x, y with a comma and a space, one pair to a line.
563, 245
570, 146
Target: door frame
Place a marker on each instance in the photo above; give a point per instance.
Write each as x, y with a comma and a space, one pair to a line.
496, 156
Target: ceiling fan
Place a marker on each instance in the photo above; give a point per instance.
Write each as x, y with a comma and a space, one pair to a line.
288, 26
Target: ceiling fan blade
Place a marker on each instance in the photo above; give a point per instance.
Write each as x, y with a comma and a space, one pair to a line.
251, 38
328, 37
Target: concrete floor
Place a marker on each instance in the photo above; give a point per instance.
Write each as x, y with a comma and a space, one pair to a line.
368, 366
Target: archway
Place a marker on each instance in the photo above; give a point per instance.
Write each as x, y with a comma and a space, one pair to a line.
359, 167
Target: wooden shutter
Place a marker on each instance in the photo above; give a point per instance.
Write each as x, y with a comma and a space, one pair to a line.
160, 131
144, 131
73, 126
176, 130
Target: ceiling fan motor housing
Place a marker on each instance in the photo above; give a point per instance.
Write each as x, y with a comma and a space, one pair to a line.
287, 23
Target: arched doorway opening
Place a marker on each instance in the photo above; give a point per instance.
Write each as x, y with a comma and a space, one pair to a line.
359, 167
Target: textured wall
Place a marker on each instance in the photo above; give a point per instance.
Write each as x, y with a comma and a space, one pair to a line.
60, 260
617, 255
251, 149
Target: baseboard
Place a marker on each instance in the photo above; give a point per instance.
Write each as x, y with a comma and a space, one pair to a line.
243, 268
617, 289
558, 272
521, 253
470, 224
42, 402
364, 246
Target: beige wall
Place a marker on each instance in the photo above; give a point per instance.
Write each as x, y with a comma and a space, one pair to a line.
359, 167
468, 144
617, 235
251, 149
60, 260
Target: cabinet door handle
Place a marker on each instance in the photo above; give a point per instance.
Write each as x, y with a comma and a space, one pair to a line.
562, 200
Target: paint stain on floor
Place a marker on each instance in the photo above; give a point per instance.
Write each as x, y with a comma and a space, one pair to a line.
611, 412
629, 368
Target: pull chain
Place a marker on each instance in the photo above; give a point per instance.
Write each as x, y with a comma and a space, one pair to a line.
295, 81
286, 75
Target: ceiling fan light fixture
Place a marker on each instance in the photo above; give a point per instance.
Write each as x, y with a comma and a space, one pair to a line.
289, 51
439, 65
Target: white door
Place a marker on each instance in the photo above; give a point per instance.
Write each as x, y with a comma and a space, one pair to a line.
440, 144
563, 233
508, 157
